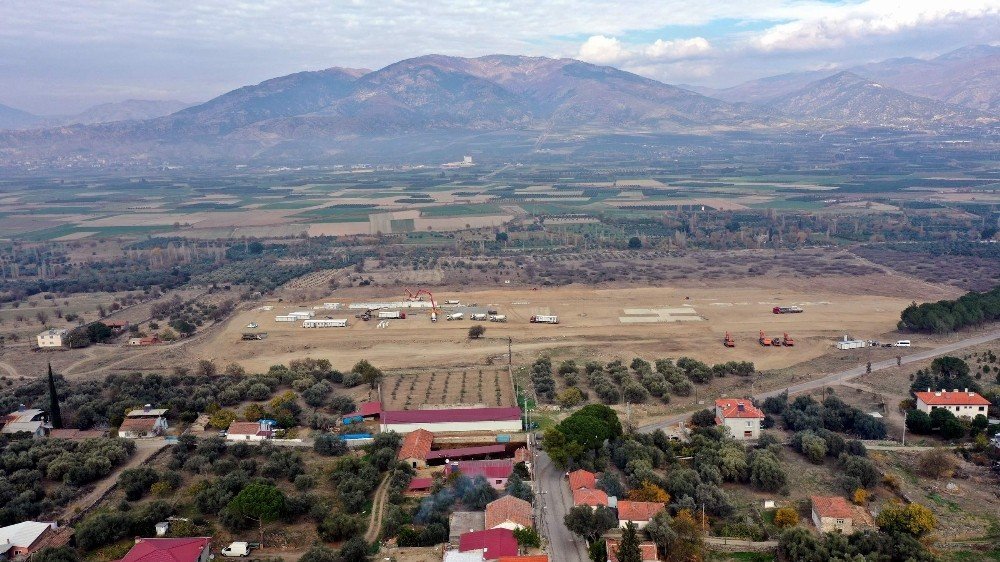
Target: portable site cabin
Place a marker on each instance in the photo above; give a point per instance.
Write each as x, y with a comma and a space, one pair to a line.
325, 323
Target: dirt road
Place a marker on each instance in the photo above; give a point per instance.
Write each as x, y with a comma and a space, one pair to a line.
842, 376
378, 510
145, 449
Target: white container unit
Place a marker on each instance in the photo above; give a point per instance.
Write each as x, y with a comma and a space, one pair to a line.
325, 323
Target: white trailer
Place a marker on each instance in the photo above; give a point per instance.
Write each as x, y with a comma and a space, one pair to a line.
303, 314
544, 319
479, 316
286, 318
391, 314
498, 318
851, 344
456, 316
325, 323
453, 301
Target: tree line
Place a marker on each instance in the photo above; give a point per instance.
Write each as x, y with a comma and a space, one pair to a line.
946, 316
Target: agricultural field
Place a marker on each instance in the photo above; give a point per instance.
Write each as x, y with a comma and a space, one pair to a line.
489, 386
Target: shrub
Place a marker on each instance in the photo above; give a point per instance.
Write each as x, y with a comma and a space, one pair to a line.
786, 517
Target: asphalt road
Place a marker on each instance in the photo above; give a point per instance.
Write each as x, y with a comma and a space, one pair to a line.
839, 377
554, 501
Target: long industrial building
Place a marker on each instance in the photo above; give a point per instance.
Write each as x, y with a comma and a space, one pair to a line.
453, 420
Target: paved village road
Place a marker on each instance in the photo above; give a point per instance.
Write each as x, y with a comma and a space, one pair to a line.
839, 377
555, 501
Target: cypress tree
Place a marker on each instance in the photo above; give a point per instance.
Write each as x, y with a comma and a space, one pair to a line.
54, 413
628, 548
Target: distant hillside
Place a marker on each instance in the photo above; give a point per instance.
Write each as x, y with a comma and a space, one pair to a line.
11, 118
128, 110
849, 98
969, 76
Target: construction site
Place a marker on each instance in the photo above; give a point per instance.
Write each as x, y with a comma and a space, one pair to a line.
417, 329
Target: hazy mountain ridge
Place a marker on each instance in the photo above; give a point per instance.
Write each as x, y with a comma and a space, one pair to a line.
315, 112
850, 98
969, 76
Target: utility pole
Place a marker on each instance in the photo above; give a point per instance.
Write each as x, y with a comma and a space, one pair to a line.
510, 352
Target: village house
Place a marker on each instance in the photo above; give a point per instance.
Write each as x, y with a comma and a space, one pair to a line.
963, 404
740, 418
496, 472
646, 548
509, 512
495, 543
144, 423
589, 498
148, 340
52, 337
187, 549
582, 479
260, 430
639, 513
22, 539
832, 513
415, 448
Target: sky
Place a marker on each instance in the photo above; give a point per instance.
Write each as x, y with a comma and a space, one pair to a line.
61, 56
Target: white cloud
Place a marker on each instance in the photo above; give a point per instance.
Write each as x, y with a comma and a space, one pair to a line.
837, 26
679, 49
600, 49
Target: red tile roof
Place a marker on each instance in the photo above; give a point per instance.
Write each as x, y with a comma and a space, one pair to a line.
246, 428
832, 506
418, 484
953, 398
493, 469
167, 550
738, 408
367, 409
593, 498
508, 508
497, 542
451, 415
582, 479
466, 452
138, 425
638, 511
416, 445
647, 549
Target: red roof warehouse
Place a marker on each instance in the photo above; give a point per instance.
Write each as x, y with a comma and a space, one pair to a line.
496, 542
189, 549
453, 419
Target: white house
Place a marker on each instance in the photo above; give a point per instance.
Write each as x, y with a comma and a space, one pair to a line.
261, 430
963, 404
53, 337
147, 422
638, 513
740, 418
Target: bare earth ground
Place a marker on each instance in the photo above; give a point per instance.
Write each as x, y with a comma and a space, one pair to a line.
589, 325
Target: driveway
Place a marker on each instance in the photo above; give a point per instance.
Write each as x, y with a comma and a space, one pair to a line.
839, 377
554, 501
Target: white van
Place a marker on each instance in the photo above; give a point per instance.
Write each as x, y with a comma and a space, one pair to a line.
236, 549
903, 343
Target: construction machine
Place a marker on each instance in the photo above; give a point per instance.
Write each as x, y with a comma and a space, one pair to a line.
728, 342
764, 340
787, 341
366, 315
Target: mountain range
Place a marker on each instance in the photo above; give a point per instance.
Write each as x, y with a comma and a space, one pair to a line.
969, 76
128, 110
317, 113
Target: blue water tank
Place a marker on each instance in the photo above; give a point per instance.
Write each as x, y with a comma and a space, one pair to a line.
503, 438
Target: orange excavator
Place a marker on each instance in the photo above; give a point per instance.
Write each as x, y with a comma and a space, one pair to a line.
764, 340
415, 296
787, 341
729, 342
